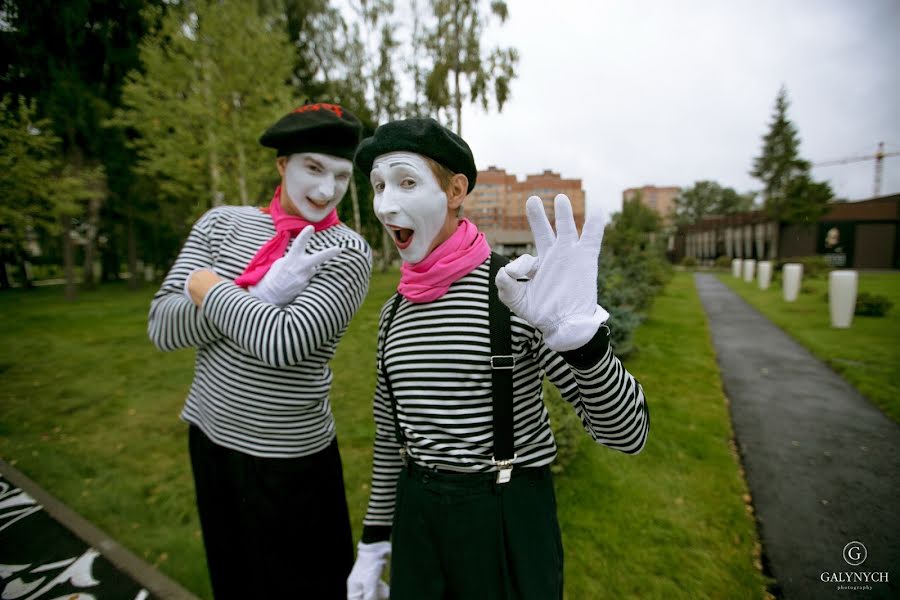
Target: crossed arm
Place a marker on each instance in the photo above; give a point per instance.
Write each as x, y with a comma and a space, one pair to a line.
217, 308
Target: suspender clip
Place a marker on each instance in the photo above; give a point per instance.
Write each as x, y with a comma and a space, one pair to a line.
504, 468
404, 455
503, 361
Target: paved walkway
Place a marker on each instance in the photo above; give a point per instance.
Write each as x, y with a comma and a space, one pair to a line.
823, 464
49, 551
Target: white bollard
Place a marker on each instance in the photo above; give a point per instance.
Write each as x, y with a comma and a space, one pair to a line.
765, 274
736, 267
791, 276
749, 267
842, 297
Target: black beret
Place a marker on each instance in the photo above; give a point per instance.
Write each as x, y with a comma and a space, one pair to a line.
423, 136
325, 128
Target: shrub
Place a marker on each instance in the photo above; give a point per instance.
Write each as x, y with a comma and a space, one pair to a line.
723, 262
622, 323
689, 261
813, 266
872, 305
566, 426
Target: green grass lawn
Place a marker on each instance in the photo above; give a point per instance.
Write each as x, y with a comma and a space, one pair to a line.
90, 411
867, 354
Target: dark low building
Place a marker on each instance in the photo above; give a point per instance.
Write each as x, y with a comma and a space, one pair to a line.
859, 235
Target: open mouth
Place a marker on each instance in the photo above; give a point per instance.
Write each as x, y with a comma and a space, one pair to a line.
402, 236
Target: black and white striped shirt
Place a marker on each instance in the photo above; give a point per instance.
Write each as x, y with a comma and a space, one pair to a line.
261, 377
437, 356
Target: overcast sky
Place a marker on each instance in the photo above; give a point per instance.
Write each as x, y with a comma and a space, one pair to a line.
628, 93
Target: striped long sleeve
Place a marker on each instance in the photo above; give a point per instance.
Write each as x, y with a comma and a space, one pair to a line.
437, 356
176, 322
262, 379
288, 336
609, 401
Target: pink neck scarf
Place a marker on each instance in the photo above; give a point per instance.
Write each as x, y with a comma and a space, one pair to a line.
286, 227
458, 256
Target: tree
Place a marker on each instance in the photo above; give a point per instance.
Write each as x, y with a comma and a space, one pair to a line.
29, 158
708, 198
460, 72
789, 194
631, 230
71, 59
214, 77
39, 192
805, 200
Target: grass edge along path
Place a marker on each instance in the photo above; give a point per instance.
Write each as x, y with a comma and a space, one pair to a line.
672, 522
867, 354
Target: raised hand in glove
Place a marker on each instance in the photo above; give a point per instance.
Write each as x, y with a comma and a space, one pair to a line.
557, 291
364, 582
290, 274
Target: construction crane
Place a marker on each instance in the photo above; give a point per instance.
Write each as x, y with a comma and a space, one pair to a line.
878, 157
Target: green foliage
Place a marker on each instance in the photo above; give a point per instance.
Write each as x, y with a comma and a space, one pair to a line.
723, 262
708, 198
460, 72
29, 159
36, 187
567, 428
632, 271
779, 161
71, 58
630, 230
689, 262
872, 305
790, 195
804, 201
814, 267
214, 77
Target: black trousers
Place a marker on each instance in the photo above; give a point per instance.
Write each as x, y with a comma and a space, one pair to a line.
463, 536
272, 527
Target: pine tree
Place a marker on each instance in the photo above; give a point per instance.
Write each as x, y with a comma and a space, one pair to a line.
789, 194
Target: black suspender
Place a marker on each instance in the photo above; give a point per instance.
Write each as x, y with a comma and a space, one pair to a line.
502, 363
398, 431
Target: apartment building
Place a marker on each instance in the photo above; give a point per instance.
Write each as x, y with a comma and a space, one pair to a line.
497, 205
660, 199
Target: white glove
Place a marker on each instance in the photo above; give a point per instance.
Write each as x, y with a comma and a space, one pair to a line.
560, 296
364, 582
290, 274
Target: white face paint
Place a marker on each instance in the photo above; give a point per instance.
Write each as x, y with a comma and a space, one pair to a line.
316, 183
409, 202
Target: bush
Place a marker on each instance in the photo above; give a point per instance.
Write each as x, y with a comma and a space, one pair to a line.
622, 323
566, 426
689, 261
872, 305
723, 262
626, 286
813, 266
